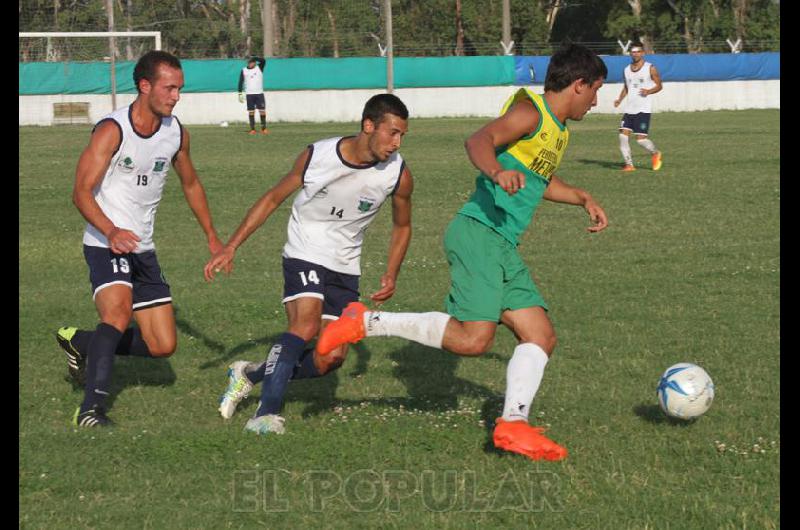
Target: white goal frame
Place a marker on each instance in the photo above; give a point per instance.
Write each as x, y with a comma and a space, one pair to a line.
95, 34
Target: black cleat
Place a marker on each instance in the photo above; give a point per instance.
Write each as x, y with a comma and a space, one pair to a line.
76, 361
94, 417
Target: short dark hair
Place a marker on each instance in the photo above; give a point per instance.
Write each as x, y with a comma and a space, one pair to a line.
637, 44
148, 63
382, 104
570, 63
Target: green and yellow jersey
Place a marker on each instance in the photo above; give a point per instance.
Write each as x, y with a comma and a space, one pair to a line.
537, 156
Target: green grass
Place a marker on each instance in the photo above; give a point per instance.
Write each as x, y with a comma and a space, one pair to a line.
688, 270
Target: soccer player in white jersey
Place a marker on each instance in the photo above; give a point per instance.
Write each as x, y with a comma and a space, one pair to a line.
251, 85
642, 80
118, 185
343, 181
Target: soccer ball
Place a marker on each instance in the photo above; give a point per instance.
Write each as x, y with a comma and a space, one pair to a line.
685, 391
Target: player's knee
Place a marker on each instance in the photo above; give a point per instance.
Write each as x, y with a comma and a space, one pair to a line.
117, 316
164, 348
476, 345
305, 330
329, 363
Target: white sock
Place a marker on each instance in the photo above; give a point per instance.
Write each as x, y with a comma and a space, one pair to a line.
425, 328
648, 144
523, 376
625, 147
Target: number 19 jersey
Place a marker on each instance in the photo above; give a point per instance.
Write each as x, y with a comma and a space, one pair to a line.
337, 203
134, 181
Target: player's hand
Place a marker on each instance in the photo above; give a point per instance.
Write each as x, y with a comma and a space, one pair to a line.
597, 215
218, 262
616, 103
510, 180
644, 92
241, 97
122, 241
215, 246
385, 292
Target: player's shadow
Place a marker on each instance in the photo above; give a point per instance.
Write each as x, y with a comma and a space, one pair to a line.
602, 163
131, 371
653, 414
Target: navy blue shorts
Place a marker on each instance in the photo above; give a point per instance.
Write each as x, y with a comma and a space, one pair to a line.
255, 101
637, 123
335, 289
141, 272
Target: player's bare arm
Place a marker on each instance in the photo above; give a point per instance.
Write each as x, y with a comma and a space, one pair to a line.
195, 194
656, 79
258, 214
560, 191
92, 167
401, 237
622, 95
521, 119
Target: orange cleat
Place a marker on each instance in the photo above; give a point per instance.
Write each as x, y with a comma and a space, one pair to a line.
349, 328
657, 161
520, 437
628, 167
252, 132
264, 130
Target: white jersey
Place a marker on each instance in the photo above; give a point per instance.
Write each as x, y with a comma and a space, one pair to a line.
131, 188
253, 80
635, 81
337, 203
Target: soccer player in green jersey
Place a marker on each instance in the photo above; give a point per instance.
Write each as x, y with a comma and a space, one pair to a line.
517, 155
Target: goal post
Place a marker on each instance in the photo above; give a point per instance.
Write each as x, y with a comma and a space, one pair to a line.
85, 47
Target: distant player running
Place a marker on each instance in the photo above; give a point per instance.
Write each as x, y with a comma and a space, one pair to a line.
118, 186
251, 87
641, 81
517, 155
343, 183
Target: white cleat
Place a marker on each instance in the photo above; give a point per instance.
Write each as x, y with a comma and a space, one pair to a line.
270, 423
239, 386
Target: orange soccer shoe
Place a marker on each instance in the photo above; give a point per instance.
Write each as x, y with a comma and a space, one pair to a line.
349, 328
656, 161
252, 132
520, 437
628, 167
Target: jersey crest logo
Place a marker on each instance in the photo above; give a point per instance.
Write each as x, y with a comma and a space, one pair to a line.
544, 136
159, 165
126, 164
365, 203
321, 193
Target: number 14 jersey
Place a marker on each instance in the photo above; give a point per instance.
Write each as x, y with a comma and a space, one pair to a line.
335, 206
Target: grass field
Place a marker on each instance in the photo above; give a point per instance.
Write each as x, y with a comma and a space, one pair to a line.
399, 437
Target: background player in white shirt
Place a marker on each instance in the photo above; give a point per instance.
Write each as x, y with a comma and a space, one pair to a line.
641, 81
118, 185
342, 183
251, 85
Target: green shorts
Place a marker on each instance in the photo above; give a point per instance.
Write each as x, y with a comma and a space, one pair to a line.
487, 274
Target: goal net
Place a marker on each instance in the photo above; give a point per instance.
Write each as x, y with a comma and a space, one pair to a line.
84, 46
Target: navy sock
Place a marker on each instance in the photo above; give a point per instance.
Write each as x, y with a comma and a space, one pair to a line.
305, 367
280, 364
256, 375
252, 122
80, 340
99, 365
263, 121
132, 343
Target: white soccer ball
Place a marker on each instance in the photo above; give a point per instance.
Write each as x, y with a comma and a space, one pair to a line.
685, 391
223, 124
